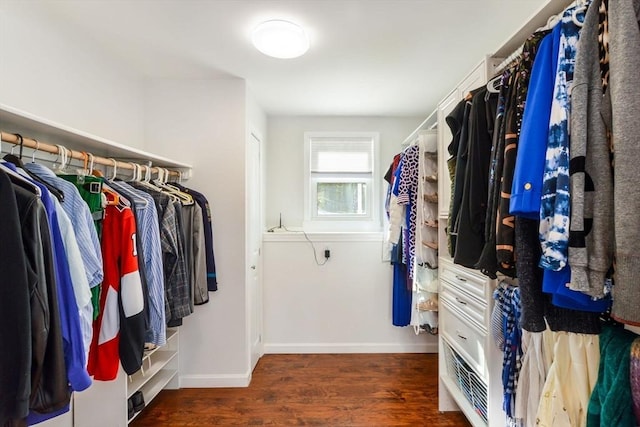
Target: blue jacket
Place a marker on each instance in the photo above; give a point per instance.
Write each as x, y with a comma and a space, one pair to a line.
526, 191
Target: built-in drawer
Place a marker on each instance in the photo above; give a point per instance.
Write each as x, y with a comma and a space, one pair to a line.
464, 335
466, 280
466, 304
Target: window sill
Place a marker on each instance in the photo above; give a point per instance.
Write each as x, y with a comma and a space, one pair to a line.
323, 236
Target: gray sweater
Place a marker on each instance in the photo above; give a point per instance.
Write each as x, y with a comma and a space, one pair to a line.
591, 229
624, 83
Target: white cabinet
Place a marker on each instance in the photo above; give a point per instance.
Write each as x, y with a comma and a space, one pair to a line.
109, 398
470, 364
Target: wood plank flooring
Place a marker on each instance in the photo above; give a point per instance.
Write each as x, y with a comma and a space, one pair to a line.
315, 389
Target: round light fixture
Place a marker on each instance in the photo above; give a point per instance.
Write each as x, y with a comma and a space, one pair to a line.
280, 39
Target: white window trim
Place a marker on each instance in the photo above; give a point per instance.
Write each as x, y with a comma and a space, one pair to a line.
339, 223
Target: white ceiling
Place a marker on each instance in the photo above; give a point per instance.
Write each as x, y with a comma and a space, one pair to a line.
367, 57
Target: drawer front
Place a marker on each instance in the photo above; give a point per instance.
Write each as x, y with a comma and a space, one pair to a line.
466, 280
467, 305
463, 336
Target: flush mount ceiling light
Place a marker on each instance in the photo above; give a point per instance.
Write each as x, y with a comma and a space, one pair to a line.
280, 39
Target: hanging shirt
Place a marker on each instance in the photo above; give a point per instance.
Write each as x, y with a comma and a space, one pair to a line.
122, 300
591, 243
407, 194
90, 189
473, 206
201, 200
526, 190
15, 328
505, 223
554, 206
488, 262
149, 236
75, 360
174, 267
79, 280
81, 219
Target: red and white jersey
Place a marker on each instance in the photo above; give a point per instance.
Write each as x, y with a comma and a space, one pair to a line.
121, 298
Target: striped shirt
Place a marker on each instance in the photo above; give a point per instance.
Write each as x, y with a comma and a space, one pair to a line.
176, 277
149, 236
81, 219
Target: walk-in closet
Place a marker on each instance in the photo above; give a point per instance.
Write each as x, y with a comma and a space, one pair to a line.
319, 212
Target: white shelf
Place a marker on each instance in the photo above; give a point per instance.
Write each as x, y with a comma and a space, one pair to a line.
537, 20
155, 385
14, 120
159, 361
148, 353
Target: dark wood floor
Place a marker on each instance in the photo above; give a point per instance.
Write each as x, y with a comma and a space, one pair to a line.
315, 389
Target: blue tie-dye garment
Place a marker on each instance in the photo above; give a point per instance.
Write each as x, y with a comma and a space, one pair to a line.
554, 207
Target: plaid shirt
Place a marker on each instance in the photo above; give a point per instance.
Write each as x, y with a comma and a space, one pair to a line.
176, 277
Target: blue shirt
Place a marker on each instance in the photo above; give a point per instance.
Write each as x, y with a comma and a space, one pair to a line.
556, 284
526, 190
148, 229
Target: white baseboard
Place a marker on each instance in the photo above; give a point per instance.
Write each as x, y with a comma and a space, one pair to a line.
215, 381
306, 348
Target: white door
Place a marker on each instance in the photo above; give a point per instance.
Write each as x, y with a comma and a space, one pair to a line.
254, 247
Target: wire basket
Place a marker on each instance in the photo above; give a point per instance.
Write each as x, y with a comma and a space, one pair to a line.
469, 383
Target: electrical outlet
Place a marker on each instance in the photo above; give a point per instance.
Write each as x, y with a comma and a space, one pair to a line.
327, 253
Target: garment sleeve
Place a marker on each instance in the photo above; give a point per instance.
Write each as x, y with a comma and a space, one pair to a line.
132, 301
526, 190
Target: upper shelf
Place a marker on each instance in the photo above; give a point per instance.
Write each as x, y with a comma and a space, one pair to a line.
537, 20
13, 120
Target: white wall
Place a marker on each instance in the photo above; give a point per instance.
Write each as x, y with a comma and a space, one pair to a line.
342, 306
285, 156
47, 72
345, 305
203, 122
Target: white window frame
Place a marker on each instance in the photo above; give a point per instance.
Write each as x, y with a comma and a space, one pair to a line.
342, 223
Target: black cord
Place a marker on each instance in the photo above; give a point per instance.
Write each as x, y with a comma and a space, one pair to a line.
315, 252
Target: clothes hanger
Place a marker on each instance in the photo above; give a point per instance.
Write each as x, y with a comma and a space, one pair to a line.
20, 180
115, 169
134, 173
92, 171
185, 198
12, 158
146, 179
494, 85
17, 161
581, 8
33, 155
112, 196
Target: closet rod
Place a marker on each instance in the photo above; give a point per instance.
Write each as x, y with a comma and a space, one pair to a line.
79, 155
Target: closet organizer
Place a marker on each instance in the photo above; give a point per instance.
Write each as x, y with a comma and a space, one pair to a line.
103, 403
518, 291
411, 207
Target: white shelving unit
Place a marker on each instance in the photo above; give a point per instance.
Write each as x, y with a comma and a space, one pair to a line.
159, 370
109, 398
104, 404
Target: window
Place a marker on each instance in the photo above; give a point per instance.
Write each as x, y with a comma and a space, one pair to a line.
341, 181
